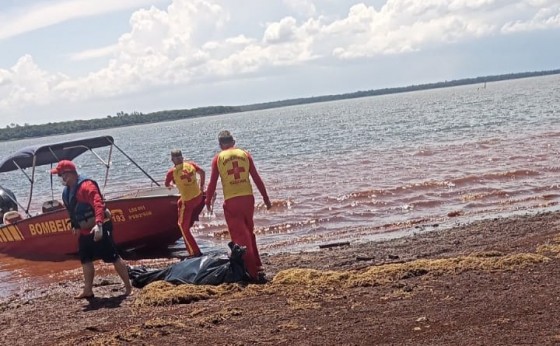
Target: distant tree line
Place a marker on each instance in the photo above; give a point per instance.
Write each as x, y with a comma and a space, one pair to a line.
16, 131
377, 92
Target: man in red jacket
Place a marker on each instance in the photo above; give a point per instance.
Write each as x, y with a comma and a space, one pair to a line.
235, 167
92, 222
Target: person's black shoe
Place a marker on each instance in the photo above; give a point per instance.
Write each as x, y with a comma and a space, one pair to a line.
261, 279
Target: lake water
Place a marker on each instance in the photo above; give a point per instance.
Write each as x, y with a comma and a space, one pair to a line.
358, 169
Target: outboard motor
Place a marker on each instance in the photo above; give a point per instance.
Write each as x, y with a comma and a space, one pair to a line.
7, 201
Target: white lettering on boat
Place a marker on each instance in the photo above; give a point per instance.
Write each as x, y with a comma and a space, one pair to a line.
138, 212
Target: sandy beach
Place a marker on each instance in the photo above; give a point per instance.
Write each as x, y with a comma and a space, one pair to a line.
491, 282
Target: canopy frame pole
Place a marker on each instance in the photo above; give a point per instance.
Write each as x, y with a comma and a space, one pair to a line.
51, 176
32, 184
16, 201
26, 210
134, 162
107, 165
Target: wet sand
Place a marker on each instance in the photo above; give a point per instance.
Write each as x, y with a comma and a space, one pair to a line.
490, 282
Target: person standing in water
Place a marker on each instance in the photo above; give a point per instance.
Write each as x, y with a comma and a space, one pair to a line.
191, 201
235, 167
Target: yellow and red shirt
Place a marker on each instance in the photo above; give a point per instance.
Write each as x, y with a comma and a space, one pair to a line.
184, 177
235, 167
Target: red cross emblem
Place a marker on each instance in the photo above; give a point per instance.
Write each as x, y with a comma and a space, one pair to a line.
187, 175
236, 170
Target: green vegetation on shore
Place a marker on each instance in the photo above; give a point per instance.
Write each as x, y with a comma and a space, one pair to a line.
16, 131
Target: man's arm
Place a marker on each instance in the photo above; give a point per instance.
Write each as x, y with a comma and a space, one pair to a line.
201, 174
258, 181
212, 183
169, 178
88, 193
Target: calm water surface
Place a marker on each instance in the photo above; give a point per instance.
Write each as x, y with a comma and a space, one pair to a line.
356, 169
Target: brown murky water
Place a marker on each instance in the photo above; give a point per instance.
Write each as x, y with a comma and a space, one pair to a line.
357, 169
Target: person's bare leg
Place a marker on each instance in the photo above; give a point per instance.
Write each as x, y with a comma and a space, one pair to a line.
89, 273
122, 270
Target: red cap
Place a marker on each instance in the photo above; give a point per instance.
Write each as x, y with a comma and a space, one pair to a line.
63, 167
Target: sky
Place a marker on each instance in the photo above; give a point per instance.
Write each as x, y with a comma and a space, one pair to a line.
64, 60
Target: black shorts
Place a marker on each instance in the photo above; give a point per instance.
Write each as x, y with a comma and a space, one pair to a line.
105, 249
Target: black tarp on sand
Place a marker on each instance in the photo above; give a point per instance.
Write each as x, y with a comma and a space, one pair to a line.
203, 270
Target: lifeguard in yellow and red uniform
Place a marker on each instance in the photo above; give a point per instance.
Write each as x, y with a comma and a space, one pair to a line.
191, 202
236, 168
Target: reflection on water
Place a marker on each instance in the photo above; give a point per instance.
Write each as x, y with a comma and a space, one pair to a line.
359, 168
19, 274
23, 275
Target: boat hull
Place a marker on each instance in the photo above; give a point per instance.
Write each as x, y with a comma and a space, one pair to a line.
147, 222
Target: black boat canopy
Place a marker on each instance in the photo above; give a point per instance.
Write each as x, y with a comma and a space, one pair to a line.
43, 154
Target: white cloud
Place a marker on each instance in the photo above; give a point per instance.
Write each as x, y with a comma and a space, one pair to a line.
94, 53
547, 17
24, 19
190, 41
303, 7
25, 83
282, 31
